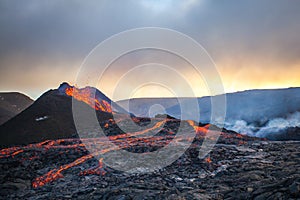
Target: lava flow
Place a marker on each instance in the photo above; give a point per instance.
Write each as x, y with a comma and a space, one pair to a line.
77, 148
87, 96
56, 173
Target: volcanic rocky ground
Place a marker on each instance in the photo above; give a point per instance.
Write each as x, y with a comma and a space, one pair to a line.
42, 156
238, 167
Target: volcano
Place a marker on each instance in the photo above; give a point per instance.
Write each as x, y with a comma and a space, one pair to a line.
50, 116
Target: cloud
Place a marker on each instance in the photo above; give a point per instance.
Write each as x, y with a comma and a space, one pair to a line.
177, 7
262, 36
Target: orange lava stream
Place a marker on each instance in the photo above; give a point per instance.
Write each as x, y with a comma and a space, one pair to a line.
208, 160
156, 126
56, 173
87, 96
199, 130
10, 152
101, 147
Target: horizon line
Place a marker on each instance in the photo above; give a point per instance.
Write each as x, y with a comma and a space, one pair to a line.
238, 91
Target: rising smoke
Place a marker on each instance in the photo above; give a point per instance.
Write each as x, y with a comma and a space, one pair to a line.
273, 126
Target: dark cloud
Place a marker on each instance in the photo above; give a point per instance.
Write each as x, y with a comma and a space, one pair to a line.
42, 36
249, 28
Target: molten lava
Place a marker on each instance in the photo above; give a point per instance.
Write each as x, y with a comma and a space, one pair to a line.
98, 170
87, 96
208, 160
199, 129
100, 144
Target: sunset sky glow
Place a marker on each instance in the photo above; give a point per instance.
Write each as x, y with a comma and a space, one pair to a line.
255, 44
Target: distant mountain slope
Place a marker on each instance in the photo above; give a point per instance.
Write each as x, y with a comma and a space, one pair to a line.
141, 106
253, 106
11, 104
249, 112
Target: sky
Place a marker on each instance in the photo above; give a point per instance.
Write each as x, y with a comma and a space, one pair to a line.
255, 44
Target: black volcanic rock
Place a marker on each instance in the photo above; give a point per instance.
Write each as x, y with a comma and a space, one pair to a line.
290, 133
11, 104
65, 169
255, 170
164, 116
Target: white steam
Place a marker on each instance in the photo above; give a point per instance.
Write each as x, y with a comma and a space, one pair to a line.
273, 126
